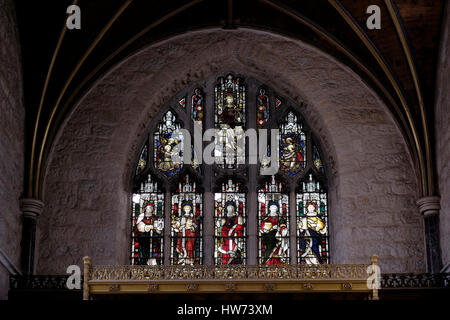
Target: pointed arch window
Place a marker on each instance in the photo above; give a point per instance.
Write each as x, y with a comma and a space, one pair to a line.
228, 212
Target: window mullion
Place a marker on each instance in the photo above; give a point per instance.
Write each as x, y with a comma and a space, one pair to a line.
167, 209
252, 200
208, 176
248, 175
293, 224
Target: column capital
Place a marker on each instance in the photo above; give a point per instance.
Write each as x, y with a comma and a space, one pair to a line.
429, 206
31, 208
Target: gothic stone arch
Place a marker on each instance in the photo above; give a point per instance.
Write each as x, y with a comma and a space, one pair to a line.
371, 186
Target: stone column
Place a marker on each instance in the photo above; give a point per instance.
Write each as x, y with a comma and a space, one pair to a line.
429, 207
31, 209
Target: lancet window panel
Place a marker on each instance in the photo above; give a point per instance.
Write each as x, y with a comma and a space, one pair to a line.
187, 223
198, 106
168, 145
292, 148
230, 223
230, 108
262, 108
312, 222
148, 224
273, 222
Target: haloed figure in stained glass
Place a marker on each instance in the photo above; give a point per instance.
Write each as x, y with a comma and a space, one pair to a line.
311, 228
186, 228
148, 230
231, 227
230, 112
166, 150
273, 236
291, 157
292, 145
168, 145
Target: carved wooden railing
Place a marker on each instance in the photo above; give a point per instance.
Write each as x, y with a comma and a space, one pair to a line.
227, 278
415, 281
38, 282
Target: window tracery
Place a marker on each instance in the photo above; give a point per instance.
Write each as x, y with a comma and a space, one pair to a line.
172, 200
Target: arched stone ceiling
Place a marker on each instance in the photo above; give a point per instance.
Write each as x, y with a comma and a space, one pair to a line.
398, 61
87, 182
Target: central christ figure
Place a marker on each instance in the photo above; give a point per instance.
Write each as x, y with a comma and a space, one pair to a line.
230, 113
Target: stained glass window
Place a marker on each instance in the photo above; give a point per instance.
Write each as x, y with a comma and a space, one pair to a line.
142, 163
229, 118
273, 222
262, 108
182, 102
312, 223
148, 224
172, 224
292, 145
186, 224
317, 161
265, 161
277, 102
230, 223
198, 105
195, 163
168, 145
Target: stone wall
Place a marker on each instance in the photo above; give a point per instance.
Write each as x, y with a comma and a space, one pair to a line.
87, 182
443, 137
11, 140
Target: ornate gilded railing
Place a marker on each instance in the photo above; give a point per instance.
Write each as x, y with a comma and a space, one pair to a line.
39, 282
235, 272
286, 278
415, 281
233, 278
